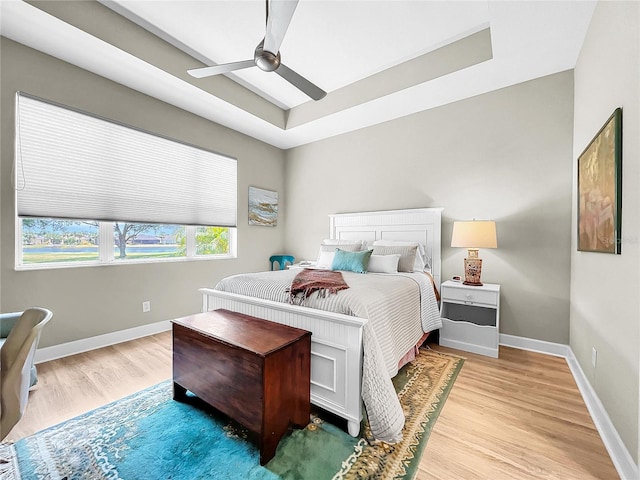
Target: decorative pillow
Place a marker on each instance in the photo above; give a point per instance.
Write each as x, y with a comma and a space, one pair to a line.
384, 263
422, 261
407, 255
351, 261
347, 248
324, 260
341, 243
426, 260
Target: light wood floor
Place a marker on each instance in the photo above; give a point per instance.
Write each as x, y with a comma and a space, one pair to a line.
517, 417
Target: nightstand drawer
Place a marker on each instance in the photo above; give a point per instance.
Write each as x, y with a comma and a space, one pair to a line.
480, 339
468, 295
468, 312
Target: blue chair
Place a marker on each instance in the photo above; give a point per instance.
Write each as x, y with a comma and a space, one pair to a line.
281, 260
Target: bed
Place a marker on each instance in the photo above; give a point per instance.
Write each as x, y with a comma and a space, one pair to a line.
342, 375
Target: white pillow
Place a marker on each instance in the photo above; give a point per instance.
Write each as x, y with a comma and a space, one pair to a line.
325, 260
421, 263
327, 252
384, 263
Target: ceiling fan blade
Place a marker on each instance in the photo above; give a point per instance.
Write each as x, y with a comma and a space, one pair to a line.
300, 82
278, 19
222, 68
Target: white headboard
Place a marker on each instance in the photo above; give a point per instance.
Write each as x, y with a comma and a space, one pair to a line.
414, 225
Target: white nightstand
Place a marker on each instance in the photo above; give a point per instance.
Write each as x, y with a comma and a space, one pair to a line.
471, 317
301, 265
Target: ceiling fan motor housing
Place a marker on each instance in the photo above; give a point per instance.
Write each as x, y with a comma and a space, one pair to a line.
265, 60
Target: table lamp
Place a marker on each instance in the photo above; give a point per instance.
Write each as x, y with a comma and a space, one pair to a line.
473, 235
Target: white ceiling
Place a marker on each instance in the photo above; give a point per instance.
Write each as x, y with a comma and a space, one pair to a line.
333, 43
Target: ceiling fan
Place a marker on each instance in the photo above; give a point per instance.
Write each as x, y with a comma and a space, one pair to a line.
267, 53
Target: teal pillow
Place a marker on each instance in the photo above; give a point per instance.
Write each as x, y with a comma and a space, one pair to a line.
351, 261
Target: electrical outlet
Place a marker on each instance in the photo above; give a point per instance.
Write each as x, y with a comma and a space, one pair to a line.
146, 306
594, 356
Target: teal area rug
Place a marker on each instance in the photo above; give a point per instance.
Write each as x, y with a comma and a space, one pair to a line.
148, 436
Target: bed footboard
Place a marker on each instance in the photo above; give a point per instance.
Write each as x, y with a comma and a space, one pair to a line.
336, 348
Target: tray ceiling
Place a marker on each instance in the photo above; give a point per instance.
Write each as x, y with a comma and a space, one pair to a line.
379, 60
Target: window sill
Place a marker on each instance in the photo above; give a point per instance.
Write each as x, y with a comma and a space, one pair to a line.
61, 265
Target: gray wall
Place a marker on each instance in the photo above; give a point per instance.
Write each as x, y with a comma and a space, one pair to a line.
96, 300
605, 311
504, 156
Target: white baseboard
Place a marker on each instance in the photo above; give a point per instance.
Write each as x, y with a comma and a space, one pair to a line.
622, 460
84, 345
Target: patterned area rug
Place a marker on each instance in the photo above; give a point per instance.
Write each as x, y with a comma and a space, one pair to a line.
148, 436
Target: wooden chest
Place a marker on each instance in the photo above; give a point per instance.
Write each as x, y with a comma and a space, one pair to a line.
255, 371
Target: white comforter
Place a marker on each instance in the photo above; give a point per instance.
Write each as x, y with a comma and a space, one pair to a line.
400, 308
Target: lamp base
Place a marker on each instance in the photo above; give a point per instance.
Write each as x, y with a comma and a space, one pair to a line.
472, 271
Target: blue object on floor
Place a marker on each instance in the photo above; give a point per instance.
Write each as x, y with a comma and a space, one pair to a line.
146, 436
282, 260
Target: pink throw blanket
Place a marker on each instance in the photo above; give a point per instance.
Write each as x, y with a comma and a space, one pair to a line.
308, 281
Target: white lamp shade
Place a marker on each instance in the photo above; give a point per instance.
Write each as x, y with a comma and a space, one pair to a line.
474, 234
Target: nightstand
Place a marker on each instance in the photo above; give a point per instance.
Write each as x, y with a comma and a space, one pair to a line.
301, 265
470, 317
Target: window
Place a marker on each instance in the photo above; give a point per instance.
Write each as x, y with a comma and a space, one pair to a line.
55, 241
145, 240
212, 240
49, 242
89, 190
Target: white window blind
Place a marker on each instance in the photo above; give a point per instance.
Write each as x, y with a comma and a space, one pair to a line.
77, 166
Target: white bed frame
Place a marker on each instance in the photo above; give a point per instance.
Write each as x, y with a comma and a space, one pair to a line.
336, 342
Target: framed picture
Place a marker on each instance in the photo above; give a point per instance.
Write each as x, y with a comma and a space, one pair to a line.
600, 190
263, 207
